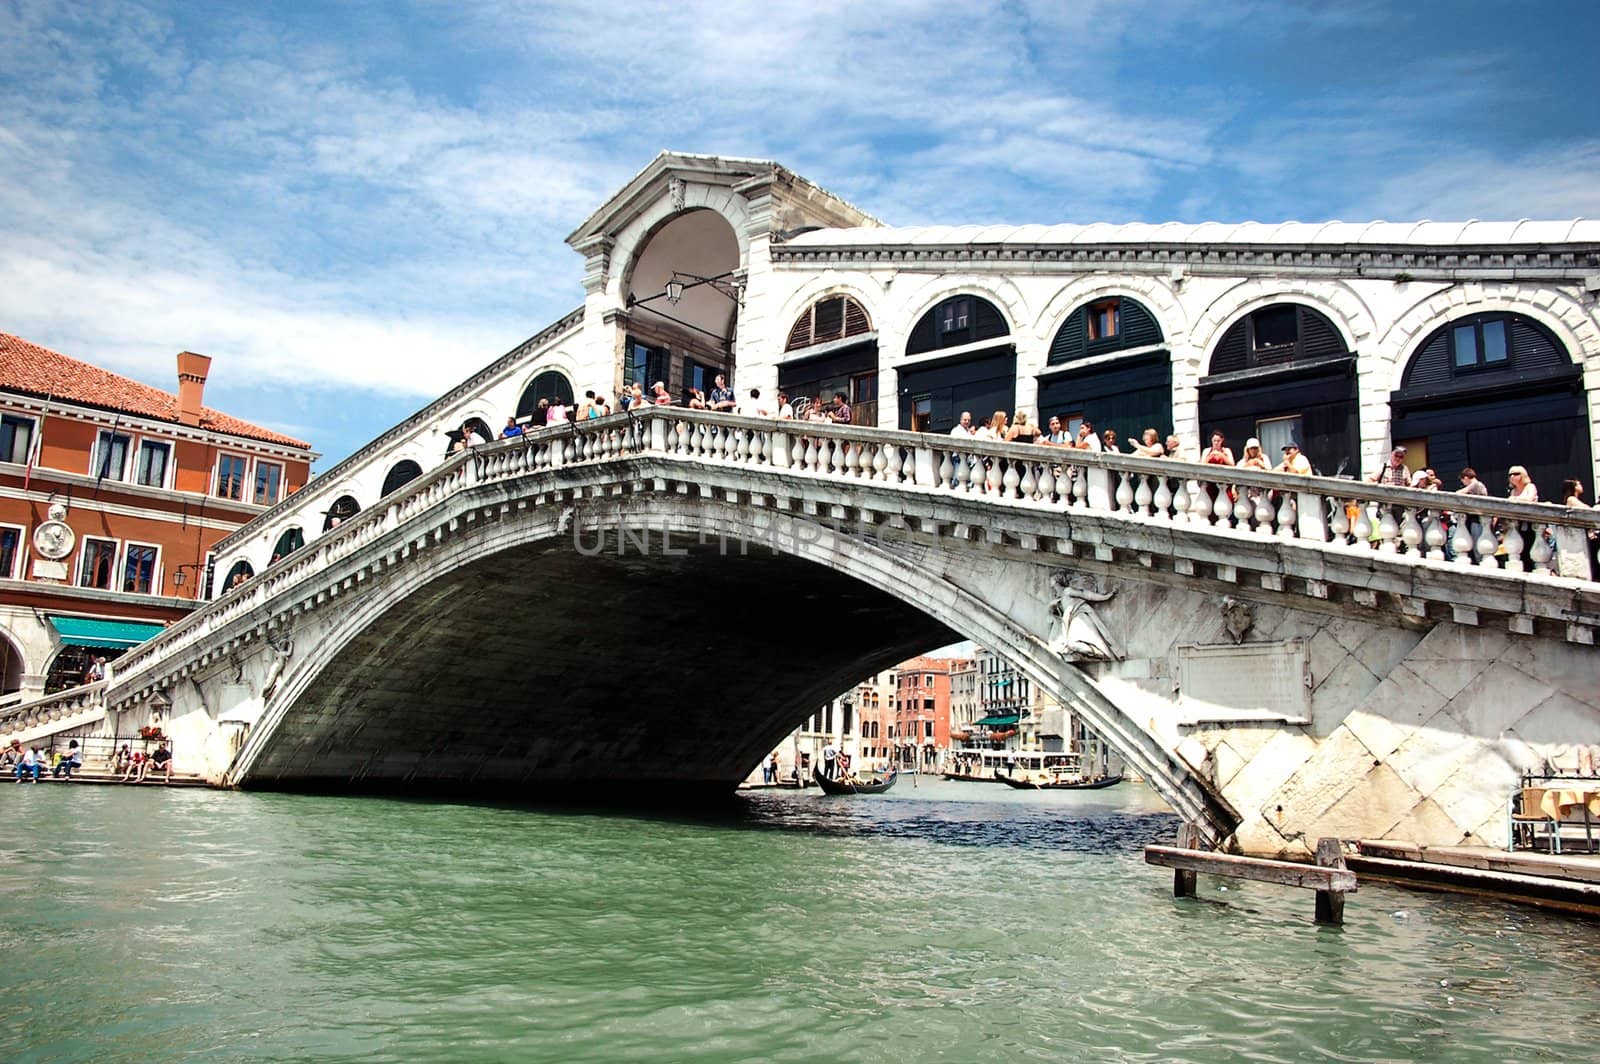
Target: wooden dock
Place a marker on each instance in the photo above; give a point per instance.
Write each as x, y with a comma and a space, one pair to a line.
1570, 882
1329, 877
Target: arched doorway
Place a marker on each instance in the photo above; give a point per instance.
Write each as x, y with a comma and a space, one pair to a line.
550, 386
1284, 372
979, 374
401, 474
832, 348
291, 540
1129, 393
343, 508
12, 664
1490, 391
683, 305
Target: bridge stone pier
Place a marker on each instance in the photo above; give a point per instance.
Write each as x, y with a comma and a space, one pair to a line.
655, 600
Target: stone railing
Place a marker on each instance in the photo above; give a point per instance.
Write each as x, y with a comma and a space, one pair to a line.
1440, 527
73, 702
1428, 528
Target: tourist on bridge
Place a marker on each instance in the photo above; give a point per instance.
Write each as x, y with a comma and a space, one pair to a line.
722, 397
840, 413
697, 400
785, 408
1058, 434
160, 761
557, 414
1393, 472
755, 407
1522, 489
1109, 438
1253, 458
994, 428
511, 429
1022, 430
1218, 453
963, 428
1174, 448
1087, 440
660, 396
1294, 461
1574, 546
1149, 445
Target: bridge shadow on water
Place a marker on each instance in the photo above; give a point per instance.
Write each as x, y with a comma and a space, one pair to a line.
1123, 820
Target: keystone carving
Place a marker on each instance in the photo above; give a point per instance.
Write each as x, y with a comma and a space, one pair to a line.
1079, 634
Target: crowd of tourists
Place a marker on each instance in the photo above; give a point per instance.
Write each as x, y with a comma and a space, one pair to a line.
31, 763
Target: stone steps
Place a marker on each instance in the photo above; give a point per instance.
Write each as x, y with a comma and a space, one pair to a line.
100, 776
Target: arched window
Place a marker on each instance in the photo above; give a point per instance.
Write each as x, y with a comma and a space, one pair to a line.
1490, 391
241, 571
291, 540
1101, 326
12, 665
1282, 332
829, 318
551, 384
343, 508
1482, 343
401, 474
955, 321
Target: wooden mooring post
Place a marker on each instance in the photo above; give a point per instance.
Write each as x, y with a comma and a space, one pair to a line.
1328, 877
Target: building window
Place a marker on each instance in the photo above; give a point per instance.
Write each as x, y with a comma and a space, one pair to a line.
927, 680
829, 318
1105, 319
98, 564
111, 456
230, 476
646, 365
151, 468
1275, 328
10, 551
1275, 432
1480, 343
16, 438
269, 478
955, 315
927, 729
139, 568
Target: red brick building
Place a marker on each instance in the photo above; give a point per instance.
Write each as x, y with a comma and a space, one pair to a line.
112, 493
921, 725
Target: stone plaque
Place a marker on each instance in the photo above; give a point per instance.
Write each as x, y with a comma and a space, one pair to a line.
46, 570
1221, 682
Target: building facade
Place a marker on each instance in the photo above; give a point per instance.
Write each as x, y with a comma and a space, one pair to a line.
1471, 343
921, 727
112, 497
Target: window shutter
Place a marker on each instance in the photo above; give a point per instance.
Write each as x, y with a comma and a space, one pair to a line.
1070, 339
1318, 337
990, 322
829, 324
1231, 352
1139, 326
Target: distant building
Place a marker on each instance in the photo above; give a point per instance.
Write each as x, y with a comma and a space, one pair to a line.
922, 710
112, 494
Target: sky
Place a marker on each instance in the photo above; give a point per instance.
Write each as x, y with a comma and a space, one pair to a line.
352, 206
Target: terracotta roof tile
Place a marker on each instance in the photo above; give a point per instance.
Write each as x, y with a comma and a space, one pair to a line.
27, 367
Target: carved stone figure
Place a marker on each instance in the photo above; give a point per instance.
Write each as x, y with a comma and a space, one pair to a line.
1237, 617
1080, 634
53, 539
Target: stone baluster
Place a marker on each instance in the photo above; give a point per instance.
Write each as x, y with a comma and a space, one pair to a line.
963, 473
1242, 508
1264, 514
1124, 494
1080, 485
991, 479
1485, 545
1514, 544
1010, 480
1200, 504
810, 460
1542, 552
1163, 499
1434, 536
1143, 495
1362, 528
1288, 524
1388, 529
1411, 531
1029, 486
799, 455
891, 469
880, 462
1047, 484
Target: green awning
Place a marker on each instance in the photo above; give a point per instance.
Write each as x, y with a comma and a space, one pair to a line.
111, 635
1003, 720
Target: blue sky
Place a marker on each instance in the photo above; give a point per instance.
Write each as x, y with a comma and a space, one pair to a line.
351, 206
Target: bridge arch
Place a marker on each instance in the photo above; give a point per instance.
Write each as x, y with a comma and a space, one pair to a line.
851, 593
13, 663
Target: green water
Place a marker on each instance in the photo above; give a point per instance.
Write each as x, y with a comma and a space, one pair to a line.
948, 921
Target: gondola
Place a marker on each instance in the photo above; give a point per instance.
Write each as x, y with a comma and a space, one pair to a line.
1061, 784
856, 786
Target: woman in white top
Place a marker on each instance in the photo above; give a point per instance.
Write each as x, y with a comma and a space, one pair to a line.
1573, 545
995, 429
1253, 458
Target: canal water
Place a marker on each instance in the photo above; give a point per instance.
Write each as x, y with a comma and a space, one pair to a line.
945, 921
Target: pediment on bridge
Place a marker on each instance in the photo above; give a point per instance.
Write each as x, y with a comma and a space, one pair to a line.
790, 200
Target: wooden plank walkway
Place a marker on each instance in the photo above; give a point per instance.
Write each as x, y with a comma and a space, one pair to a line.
1584, 868
1329, 877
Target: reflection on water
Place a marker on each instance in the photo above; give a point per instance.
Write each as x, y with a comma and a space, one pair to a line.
943, 920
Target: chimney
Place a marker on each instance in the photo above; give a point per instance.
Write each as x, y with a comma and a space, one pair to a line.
192, 370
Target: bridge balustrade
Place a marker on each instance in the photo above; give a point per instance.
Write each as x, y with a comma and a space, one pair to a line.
62, 706
1423, 527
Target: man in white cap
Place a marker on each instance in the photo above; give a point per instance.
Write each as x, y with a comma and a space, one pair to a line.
1394, 470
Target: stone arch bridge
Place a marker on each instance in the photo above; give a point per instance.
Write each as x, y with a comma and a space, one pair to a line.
655, 599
